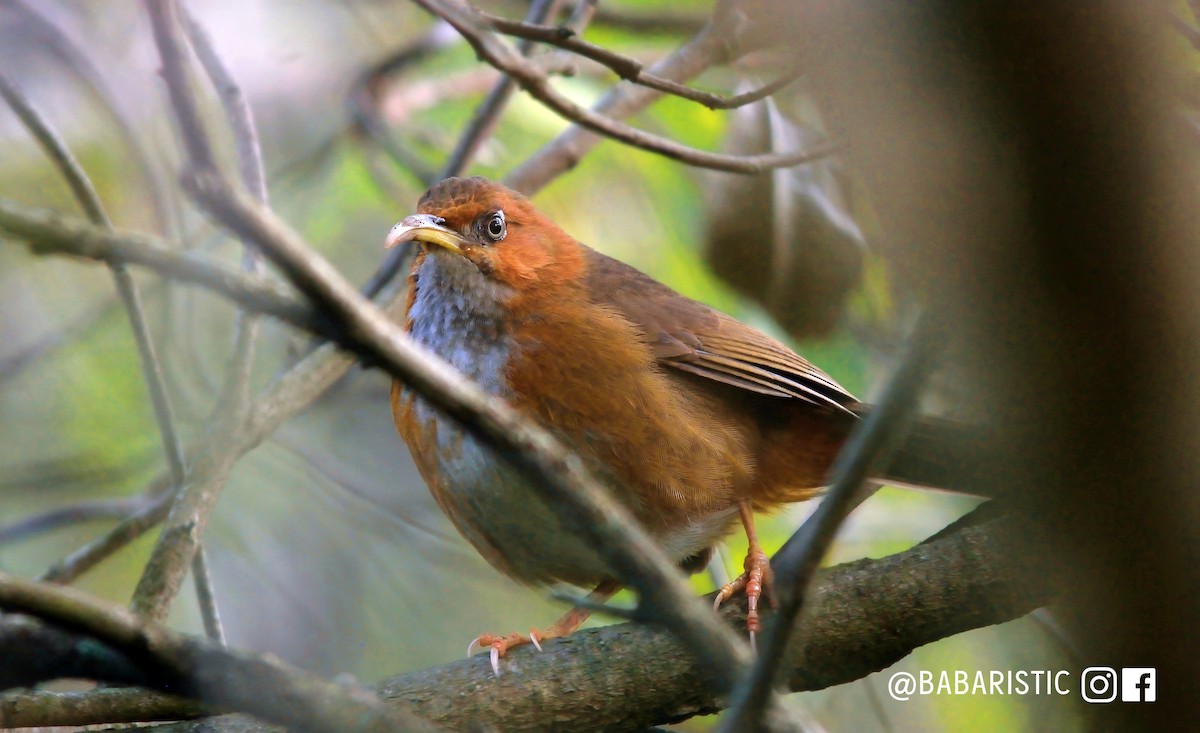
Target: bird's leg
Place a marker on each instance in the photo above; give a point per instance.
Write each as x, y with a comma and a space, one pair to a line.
569, 622
755, 581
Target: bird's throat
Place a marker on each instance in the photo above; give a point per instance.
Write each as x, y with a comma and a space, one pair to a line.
458, 313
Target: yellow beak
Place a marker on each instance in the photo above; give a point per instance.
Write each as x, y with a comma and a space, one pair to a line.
425, 228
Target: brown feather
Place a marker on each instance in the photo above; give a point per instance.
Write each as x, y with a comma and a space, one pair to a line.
688, 335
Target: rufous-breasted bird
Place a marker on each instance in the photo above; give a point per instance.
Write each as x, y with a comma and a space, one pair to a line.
696, 420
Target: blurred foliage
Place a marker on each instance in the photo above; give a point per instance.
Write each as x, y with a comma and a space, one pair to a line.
326, 548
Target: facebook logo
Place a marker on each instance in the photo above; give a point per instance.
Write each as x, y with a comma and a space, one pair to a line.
1138, 684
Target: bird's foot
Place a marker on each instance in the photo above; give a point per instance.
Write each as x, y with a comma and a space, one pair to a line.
501, 644
756, 582
570, 621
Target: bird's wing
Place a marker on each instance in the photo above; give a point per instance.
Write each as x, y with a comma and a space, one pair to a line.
690, 336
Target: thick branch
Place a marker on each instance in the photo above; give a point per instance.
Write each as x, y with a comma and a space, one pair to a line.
866, 616
201, 670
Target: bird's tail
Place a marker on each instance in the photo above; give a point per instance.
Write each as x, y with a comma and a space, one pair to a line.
939, 454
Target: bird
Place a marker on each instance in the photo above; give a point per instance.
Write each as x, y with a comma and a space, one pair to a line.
696, 420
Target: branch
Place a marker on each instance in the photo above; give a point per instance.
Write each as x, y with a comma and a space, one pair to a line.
627, 68
47, 231
536, 83
707, 47
77, 513
262, 686
865, 616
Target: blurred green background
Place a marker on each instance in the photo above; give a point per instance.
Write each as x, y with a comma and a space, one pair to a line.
326, 548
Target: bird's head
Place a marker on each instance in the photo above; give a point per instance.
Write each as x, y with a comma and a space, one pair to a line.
494, 228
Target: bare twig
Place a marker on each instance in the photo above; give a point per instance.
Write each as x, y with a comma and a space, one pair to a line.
535, 82
866, 453
206, 598
132, 527
84, 511
86, 194
656, 21
180, 542
265, 687
627, 68
237, 111
482, 123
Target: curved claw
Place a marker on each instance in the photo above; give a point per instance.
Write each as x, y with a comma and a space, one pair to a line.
729, 590
495, 658
473, 647
533, 639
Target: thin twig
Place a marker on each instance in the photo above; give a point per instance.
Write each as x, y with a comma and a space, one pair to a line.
536, 83
134, 526
89, 200
84, 511
206, 599
47, 231
481, 124
237, 111
262, 686
642, 21
867, 451
627, 68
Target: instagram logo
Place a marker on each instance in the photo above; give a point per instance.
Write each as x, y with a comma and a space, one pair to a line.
1099, 684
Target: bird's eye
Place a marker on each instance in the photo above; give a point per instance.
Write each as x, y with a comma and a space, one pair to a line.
495, 228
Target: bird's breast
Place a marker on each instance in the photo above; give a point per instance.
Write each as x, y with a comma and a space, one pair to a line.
459, 316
